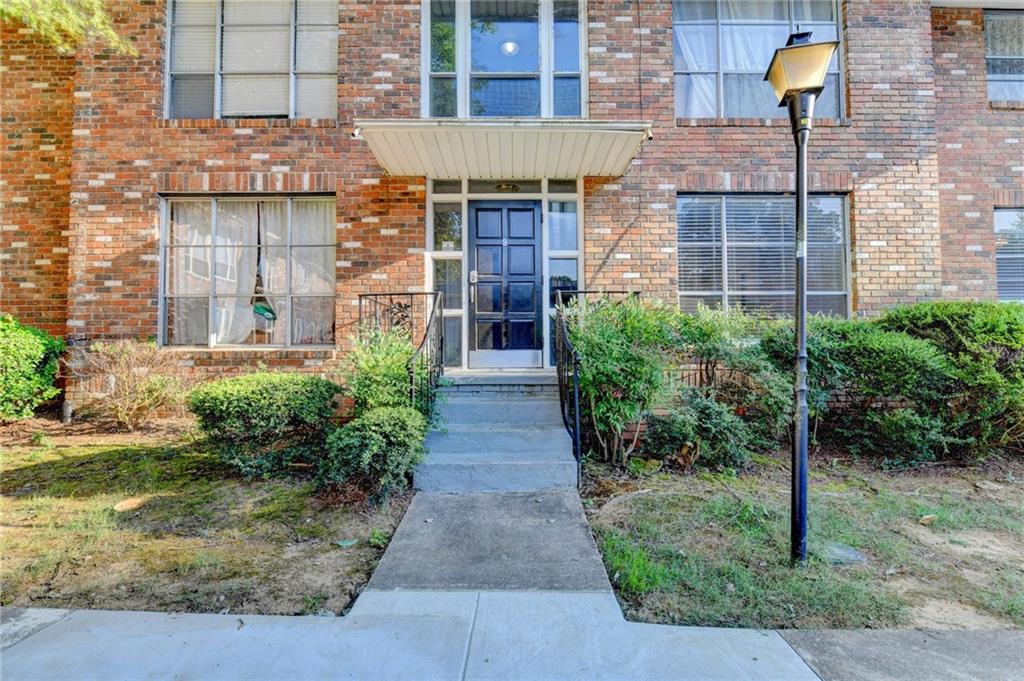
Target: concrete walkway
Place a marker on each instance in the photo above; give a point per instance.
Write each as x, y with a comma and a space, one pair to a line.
492, 574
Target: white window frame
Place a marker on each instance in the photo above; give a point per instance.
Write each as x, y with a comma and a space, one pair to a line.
165, 247
1000, 78
1008, 256
725, 292
463, 198
462, 59
218, 72
720, 72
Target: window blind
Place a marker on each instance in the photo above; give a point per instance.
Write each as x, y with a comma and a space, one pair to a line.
277, 58
739, 251
1010, 254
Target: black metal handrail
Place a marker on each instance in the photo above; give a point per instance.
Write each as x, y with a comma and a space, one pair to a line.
401, 311
567, 365
426, 366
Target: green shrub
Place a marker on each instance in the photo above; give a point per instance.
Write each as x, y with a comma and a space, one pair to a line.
902, 437
866, 362
379, 375
703, 430
984, 342
380, 446
621, 346
260, 422
29, 359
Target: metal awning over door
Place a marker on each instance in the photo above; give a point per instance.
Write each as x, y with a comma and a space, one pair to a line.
450, 149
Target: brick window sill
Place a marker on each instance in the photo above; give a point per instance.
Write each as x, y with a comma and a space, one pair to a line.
756, 122
306, 352
247, 123
1006, 106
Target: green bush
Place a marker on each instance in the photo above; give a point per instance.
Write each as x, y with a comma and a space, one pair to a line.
29, 359
984, 342
702, 429
901, 436
621, 346
379, 376
262, 421
381, 446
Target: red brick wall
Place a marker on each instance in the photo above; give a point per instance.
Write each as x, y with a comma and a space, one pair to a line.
883, 154
981, 154
126, 156
35, 149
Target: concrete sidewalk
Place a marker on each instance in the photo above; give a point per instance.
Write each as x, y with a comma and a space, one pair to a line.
393, 635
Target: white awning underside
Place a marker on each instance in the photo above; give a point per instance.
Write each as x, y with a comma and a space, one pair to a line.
451, 149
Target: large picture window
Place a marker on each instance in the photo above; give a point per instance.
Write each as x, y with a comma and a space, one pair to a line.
249, 272
1010, 254
519, 58
738, 251
253, 58
1004, 55
722, 48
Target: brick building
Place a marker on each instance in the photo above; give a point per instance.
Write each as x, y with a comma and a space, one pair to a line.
235, 187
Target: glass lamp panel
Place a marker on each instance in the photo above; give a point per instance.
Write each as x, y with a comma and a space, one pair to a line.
801, 67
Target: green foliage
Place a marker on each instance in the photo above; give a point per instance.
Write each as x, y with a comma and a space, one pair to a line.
380, 446
379, 375
378, 538
66, 23
707, 432
621, 345
259, 422
29, 359
984, 342
138, 378
902, 436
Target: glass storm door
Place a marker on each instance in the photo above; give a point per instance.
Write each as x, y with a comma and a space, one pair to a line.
505, 285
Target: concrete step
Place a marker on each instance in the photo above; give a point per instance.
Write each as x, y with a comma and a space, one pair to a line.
457, 411
502, 383
470, 477
540, 442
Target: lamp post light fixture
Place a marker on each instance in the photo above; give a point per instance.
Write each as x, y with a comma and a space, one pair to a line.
797, 74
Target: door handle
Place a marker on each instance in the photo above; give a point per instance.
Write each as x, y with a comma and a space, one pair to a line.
472, 286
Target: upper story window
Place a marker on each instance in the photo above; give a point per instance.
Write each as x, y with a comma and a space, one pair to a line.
1010, 253
253, 59
516, 58
1004, 56
722, 48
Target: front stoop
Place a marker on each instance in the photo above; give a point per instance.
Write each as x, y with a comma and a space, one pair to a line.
498, 433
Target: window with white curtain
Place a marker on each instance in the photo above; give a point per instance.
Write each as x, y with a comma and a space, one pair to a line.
242, 271
1004, 56
738, 251
722, 48
253, 59
503, 58
1010, 253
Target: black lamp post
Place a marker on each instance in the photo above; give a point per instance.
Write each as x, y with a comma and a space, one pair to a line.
797, 74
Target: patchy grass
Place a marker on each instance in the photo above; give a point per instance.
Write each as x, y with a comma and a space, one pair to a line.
943, 546
186, 535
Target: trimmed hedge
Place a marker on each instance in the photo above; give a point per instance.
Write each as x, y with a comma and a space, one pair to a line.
381, 446
29, 359
259, 422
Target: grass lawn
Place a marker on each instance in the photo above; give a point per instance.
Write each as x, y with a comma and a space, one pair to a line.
945, 547
151, 523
